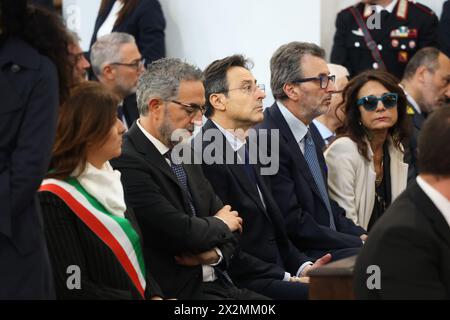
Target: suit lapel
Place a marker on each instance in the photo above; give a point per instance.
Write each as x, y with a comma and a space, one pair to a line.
297, 155
427, 207
236, 169
154, 157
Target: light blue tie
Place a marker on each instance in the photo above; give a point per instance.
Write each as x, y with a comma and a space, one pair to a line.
314, 167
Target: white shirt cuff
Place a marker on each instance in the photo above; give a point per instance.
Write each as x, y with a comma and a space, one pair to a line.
287, 276
300, 270
219, 253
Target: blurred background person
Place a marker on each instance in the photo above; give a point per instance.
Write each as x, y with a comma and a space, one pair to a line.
80, 64
365, 163
35, 74
328, 122
444, 28
87, 222
404, 27
410, 243
427, 87
117, 64
143, 19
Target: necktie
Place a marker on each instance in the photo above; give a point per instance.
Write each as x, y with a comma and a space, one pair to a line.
179, 172
314, 167
384, 16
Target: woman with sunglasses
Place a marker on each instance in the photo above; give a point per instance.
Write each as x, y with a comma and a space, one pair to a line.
366, 171
92, 237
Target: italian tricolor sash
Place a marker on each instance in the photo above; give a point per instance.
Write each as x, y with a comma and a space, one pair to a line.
116, 232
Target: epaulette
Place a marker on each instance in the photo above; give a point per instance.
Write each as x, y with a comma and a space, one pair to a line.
422, 7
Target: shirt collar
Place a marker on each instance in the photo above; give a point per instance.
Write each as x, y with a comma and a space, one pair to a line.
298, 128
413, 102
441, 202
162, 148
323, 130
234, 141
390, 7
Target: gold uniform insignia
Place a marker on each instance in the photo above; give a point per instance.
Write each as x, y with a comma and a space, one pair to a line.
410, 110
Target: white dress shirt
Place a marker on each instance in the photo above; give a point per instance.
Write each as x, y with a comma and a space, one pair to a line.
298, 128
236, 144
209, 273
390, 7
325, 133
441, 202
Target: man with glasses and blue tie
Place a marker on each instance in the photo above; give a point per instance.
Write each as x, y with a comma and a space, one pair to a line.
302, 87
233, 105
117, 64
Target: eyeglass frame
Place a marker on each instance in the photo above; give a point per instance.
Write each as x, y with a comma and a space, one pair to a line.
328, 77
136, 65
196, 107
260, 86
360, 101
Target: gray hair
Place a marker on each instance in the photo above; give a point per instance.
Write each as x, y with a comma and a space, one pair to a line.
162, 80
286, 66
107, 50
427, 57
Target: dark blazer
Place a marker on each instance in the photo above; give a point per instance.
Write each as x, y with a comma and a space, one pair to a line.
295, 191
162, 211
317, 137
264, 236
72, 242
444, 29
29, 103
350, 49
146, 23
411, 245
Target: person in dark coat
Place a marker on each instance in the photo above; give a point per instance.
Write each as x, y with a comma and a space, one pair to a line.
444, 29
29, 92
404, 27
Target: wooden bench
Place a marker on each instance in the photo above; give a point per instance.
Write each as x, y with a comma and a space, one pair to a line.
333, 281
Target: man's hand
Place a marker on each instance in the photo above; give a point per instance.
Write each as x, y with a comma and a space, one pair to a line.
230, 218
192, 260
299, 279
319, 262
364, 237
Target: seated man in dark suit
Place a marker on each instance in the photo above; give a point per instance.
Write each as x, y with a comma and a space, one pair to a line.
302, 87
426, 83
188, 233
409, 248
234, 105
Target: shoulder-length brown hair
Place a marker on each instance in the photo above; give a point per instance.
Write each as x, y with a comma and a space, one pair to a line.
128, 7
85, 119
352, 126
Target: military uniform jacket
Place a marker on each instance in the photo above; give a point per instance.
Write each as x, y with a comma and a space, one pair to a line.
408, 28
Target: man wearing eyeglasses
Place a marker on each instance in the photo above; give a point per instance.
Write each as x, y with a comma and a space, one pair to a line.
80, 63
117, 64
234, 105
302, 87
187, 231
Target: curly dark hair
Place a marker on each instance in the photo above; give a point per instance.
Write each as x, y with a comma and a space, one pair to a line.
352, 127
45, 31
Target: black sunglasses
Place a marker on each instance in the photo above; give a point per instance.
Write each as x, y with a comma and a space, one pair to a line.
370, 103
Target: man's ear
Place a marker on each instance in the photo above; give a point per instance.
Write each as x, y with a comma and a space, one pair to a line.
421, 74
218, 101
108, 72
155, 106
291, 90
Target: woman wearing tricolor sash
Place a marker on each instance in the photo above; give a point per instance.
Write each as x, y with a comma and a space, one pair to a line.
94, 241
